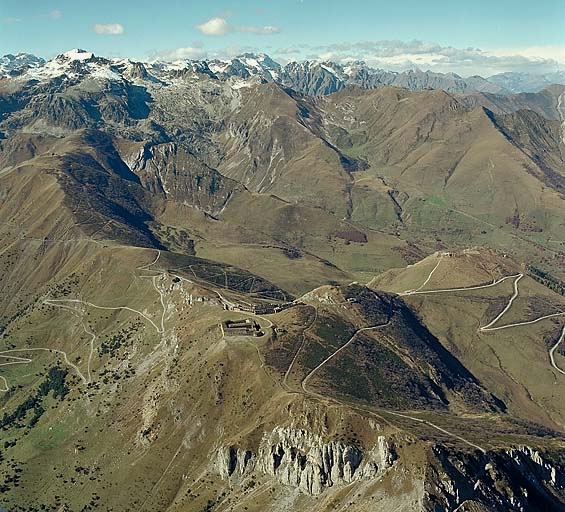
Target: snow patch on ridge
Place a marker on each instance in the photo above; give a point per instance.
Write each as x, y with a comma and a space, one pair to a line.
77, 54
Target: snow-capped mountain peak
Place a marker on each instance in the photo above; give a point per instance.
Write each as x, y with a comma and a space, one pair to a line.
259, 61
73, 65
76, 55
247, 65
15, 64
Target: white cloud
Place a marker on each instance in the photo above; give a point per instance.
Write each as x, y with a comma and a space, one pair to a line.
197, 51
265, 30
548, 53
194, 52
56, 14
289, 50
220, 27
402, 55
215, 27
111, 29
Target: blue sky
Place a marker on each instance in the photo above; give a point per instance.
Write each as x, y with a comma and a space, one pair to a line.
480, 36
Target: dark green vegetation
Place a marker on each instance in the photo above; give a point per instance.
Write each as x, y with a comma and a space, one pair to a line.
389, 384
547, 279
55, 382
114, 343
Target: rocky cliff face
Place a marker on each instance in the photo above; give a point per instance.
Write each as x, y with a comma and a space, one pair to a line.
303, 460
173, 172
520, 478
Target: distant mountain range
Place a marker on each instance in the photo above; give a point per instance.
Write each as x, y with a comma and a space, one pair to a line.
527, 82
314, 78
14, 64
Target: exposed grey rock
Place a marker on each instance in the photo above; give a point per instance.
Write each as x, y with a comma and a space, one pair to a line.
233, 462
303, 460
169, 170
514, 479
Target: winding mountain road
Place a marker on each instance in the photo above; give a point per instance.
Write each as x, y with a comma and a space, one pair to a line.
412, 292
461, 289
291, 365
25, 360
489, 327
20, 360
13, 360
55, 302
343, 347
553, 349
506, 309
73, 306
382, 411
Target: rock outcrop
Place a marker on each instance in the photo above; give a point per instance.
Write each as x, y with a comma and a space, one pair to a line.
303, 460
519, 479
169, 170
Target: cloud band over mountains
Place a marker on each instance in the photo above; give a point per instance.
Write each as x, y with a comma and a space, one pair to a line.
402, 55
395, 55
